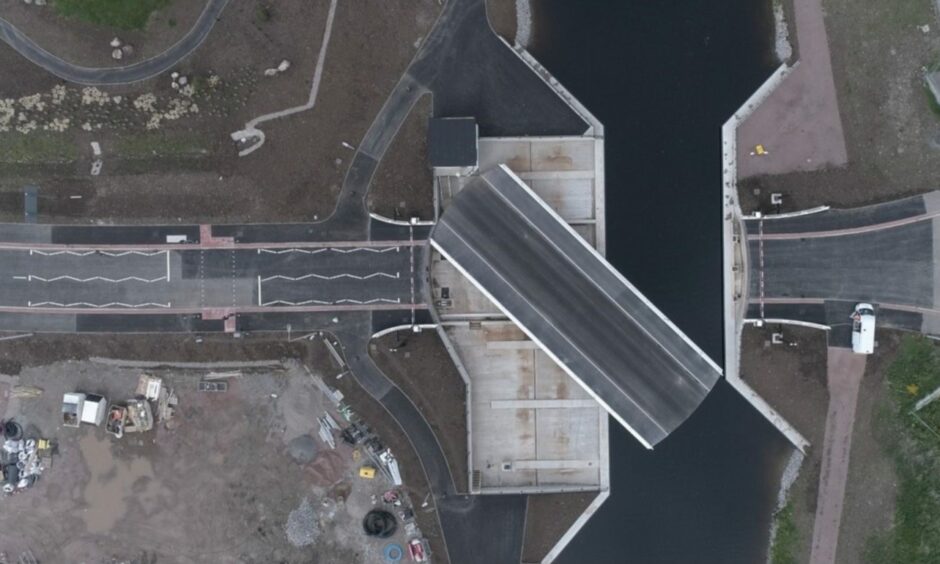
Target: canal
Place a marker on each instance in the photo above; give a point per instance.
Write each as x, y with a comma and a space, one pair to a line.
663, 76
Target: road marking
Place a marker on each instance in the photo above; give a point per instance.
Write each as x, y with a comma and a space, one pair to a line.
97, 306
87, 253
760, 228
330, 249
331, 277
167, 265
850, 230
259, 290
337, 302
411, 237
31, 277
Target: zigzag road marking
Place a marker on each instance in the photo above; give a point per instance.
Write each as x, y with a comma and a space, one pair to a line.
97, 306
342, 301
87, 253
32, 277
333, 249
333, 277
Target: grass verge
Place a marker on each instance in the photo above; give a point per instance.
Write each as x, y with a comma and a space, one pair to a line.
121, 14
783, 551
149, 145
36, 148
913, 440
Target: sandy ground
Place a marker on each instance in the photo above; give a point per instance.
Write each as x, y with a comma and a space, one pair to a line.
799, 123
403, 185
199, 492
844, 374
420, 366
295, 176
793, 380
878, 55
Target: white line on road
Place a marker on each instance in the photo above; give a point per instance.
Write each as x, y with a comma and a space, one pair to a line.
337, 302
86, 304
167, 265
331, 249
332, 277
87, 253
32, 277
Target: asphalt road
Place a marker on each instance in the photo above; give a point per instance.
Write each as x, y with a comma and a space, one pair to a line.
210, 278
649, 375
815, 267
102, 76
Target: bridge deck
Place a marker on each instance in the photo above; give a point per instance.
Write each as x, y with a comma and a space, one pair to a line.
644, 371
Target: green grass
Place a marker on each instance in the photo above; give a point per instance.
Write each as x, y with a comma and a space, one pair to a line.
36, 148
785, 540
162, 145
121, 14
914, 443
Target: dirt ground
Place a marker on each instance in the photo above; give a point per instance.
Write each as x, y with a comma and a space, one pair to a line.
403, 185
878, 53
199, 492
502, 16
412, 472
88, 44
139, 499
547, 518
421, 367
872, 482
295, 176
793, 381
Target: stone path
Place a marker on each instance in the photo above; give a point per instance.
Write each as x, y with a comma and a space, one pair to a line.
845, 370
798, 124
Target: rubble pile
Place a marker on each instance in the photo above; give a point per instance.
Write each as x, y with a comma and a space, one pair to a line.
302, 527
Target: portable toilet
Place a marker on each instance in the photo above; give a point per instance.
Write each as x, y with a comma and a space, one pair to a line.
94, 409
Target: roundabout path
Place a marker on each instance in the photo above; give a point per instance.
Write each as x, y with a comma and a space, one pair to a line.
115, 75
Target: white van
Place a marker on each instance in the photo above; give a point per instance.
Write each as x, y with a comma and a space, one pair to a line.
863, 329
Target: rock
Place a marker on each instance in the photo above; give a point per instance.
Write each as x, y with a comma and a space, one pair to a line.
128, 49
117, 54
115, 42
183, 80
283, 66
174, 75
270, 72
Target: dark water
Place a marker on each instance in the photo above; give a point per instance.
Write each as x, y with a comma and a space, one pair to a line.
663, 75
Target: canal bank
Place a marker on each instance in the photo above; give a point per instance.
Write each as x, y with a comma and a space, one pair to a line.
663, 80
